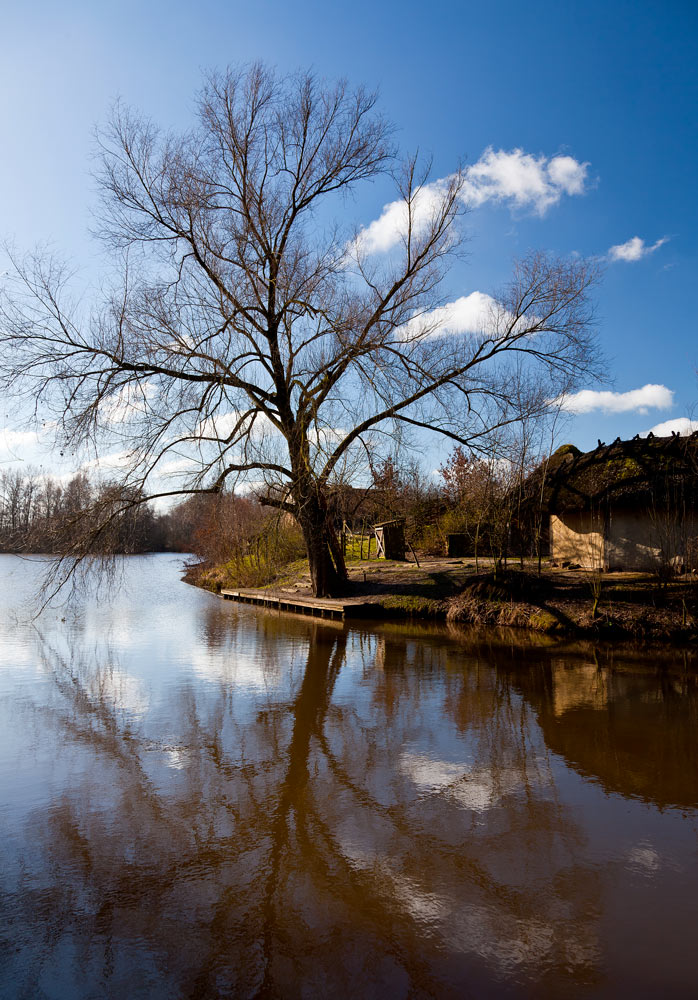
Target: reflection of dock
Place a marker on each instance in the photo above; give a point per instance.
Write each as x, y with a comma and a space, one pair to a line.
316, 607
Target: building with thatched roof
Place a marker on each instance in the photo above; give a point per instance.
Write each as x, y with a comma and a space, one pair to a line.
630, 505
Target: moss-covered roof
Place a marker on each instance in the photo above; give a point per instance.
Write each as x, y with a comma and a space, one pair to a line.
641, 472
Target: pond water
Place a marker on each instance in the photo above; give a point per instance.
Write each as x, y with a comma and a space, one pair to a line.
201, 800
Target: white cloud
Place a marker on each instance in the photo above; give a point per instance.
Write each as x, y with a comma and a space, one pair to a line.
656, 397
178, 466
14, 444
128, 402
472, 313
245, 486
386, 231
323, 437
524, 181
26, 447
115, 460
568, 174
221, 425
218, 426
635, 249
681, 425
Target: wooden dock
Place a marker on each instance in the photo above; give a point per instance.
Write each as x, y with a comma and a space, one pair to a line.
316, 607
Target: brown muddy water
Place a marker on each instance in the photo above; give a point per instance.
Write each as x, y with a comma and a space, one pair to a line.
201, 800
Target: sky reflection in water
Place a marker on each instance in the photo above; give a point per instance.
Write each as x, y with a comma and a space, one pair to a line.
198, 800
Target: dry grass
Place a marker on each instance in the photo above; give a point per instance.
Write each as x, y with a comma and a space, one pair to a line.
468, 609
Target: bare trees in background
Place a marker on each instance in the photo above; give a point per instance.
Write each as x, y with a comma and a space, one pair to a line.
245, 335
41, 514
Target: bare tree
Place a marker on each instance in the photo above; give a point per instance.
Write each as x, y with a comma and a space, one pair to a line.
246, 334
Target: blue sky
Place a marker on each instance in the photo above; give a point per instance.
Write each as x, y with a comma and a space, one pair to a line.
609, 86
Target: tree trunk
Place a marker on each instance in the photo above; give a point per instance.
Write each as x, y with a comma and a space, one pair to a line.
327, 568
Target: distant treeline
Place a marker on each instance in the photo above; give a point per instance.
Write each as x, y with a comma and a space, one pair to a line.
485, 502
42, 514
39, 513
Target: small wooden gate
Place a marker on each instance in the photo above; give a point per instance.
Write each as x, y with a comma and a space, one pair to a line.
390, 539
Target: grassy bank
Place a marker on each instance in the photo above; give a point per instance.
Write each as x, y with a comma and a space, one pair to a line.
623, 605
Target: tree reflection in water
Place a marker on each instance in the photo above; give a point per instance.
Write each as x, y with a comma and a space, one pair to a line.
385, 821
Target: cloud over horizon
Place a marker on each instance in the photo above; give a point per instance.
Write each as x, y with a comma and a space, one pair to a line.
635, 249
649, 397
681, 425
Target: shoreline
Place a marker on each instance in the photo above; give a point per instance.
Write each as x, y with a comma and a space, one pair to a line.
569, 603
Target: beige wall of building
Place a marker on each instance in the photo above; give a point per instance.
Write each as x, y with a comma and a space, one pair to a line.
641, 540
631, 540
577, 537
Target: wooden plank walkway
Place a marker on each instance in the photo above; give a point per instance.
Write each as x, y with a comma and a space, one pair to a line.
316, 607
